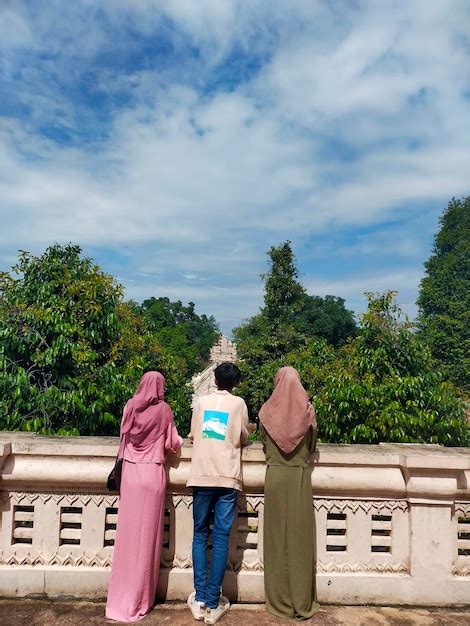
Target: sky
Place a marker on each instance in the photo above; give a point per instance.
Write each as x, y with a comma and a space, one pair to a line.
176, 141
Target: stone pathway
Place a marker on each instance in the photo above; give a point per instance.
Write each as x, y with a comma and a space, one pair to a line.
22, 612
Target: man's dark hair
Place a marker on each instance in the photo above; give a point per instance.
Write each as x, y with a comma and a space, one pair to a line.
227, 376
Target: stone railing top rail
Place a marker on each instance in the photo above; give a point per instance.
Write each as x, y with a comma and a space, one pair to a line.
383, 454
427, 472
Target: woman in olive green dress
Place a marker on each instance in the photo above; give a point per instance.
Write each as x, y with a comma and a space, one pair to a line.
288, 426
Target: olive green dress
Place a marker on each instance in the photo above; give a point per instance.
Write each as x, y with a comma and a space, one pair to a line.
289, 532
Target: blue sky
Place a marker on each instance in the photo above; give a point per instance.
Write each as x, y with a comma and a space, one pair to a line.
176, 141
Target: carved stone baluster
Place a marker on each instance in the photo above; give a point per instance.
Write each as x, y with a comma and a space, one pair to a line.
320, 512
183, 530
358, 524
93, 527
47, 525
261, 533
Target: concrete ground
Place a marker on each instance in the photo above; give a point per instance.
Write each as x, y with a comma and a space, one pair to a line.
19, 612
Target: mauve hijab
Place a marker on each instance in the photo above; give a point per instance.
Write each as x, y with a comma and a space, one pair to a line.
287, 415
146, 414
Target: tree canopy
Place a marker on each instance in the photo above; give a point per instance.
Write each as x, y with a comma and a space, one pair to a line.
290, 317
182, 330
384, 386
326, 317
374, 383
283, 292
72, 350
444, 298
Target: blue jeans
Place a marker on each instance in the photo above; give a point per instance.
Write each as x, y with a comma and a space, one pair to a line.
224, 504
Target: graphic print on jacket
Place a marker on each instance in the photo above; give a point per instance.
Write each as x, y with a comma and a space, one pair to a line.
214, 425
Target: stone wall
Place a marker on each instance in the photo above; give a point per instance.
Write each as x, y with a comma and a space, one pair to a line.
392, 522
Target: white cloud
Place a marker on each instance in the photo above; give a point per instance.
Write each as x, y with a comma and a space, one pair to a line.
356, 118
353, 288
156, 178
14, 30
229, 304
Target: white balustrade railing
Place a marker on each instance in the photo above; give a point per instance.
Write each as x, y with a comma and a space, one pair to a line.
392, 522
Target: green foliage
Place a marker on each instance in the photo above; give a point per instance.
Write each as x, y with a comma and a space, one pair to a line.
139, 350
260, 340
290, 318
325, 317
283, 292
292, 328
382, 385
182, 330
58, 323
444, 298
310, 359
71, 351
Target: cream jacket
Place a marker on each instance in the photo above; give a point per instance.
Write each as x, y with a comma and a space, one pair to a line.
219, 430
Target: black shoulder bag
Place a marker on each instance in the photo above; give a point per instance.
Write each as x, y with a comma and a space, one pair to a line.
114, 478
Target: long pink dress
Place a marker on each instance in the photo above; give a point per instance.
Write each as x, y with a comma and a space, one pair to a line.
147, 433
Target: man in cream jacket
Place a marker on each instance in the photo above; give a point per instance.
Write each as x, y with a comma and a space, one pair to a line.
219, 430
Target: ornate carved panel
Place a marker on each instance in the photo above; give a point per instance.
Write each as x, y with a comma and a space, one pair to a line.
461, 565
370, 536
78, 530
44, 529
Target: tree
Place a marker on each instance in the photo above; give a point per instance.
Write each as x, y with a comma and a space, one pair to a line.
282, 292
311, 360
290, 318
444, 298
326, 317
292, 328
380, 386
384, 386
58, 323
139, 350
182, 330
71, 351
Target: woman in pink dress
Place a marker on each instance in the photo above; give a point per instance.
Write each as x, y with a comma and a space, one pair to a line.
147, 433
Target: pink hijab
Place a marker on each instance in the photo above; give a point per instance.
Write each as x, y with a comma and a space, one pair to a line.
146, 414
287, 414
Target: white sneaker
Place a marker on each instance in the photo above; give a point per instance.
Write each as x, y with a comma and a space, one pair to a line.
198, 609
213, 615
